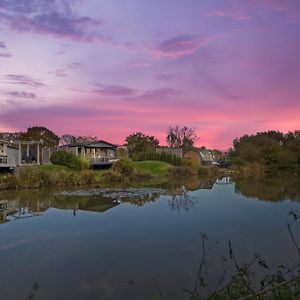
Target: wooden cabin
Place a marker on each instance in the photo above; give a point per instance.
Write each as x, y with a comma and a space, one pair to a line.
97, 152
9, 155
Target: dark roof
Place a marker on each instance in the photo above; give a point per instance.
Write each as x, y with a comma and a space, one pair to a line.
8, 144
95, 144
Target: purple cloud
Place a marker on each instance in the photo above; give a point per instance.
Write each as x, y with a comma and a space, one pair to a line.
113, 90
74, 65
5, 55
44, 17
22, 94
2, 45
181, 45
60, 73
23, 80
160, 93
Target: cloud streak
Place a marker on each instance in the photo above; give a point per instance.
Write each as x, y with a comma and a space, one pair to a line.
22, 94
23, 80
113, 90
181, 45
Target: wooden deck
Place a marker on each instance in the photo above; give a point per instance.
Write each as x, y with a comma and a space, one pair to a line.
102, 161
7, 166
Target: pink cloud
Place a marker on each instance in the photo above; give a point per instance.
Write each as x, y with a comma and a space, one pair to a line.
181, 45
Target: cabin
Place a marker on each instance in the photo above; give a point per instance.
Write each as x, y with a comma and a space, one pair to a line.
99, 153
9, 155
16, 153
200, 157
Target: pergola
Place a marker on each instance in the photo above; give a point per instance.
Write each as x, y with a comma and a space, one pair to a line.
28, 143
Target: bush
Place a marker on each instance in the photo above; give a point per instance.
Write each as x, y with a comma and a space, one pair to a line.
162, 156
32, 177
123, 167
70, 160
111, 177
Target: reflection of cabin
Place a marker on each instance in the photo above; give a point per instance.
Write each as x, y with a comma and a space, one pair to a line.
6, 208
96, 205
97, 152
200, 156
199, 184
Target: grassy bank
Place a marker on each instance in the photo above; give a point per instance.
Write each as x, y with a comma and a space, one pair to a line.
39, 176
146, 173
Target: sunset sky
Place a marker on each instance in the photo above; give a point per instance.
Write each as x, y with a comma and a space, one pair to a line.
112, 67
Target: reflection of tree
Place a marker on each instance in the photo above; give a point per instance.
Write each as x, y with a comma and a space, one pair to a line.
270, 188
182, 201
140, 200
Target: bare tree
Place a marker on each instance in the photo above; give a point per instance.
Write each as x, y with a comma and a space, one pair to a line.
181, 137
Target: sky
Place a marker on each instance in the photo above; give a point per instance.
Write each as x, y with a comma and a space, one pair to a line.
108, 68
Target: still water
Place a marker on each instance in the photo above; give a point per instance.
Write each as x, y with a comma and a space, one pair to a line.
139, 243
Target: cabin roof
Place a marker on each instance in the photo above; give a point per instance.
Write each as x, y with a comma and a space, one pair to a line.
8, 144
94, 144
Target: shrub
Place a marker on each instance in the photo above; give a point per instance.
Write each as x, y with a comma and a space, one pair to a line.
32, 177
162, 156
70, 160
112, 177
123, 167
87, 177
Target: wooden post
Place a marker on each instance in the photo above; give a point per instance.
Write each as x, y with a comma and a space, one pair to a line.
27, 150
38, 153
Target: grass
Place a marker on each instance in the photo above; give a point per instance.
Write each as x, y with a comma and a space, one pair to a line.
51, 168
152, 167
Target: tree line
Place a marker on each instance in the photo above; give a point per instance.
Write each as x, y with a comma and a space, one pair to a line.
269, 148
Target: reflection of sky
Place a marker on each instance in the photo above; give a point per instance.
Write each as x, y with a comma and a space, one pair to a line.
121, 251
108, 68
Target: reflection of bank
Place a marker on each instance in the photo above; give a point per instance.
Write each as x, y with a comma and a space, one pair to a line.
199, 184
6, 208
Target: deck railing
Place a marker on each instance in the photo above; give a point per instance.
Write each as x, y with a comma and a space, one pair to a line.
95, 160
7, 160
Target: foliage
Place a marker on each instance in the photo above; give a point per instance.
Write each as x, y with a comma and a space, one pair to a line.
181, 137
241, 284
70, 160
10, 136
271, 148
162, 156
123, 167
139, 142
67, 139
32, 177
43, 135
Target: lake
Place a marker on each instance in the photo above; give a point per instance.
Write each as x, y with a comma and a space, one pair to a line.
140, 243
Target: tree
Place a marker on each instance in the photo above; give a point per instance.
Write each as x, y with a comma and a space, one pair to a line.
10, 136
67, 139
43, 135
181, 137
139, 142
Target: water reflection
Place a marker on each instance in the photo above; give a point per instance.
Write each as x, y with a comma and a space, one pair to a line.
122, 240
270, 188
30, 203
